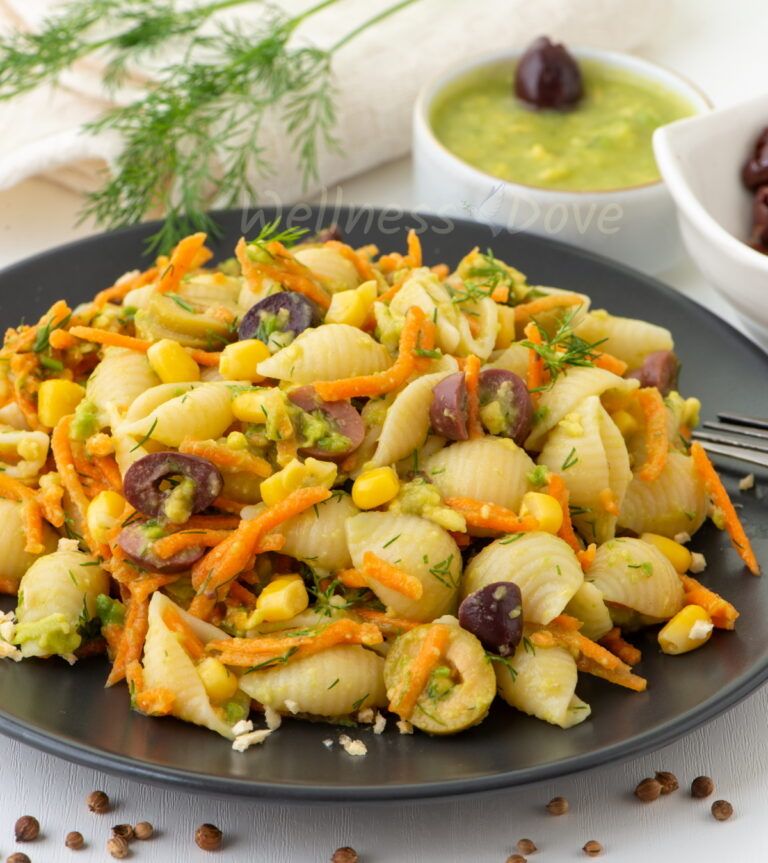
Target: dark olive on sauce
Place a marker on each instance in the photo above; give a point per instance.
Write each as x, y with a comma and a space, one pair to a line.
754, 175
547, 76
494, 615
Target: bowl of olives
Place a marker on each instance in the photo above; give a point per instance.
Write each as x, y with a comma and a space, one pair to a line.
556, 141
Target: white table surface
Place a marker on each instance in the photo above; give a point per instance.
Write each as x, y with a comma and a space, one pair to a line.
721, 46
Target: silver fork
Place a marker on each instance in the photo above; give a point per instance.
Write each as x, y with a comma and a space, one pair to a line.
736, 436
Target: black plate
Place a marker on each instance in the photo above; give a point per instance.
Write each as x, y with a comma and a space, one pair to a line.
68, 712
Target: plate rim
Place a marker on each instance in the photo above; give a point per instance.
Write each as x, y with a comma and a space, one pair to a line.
229, 786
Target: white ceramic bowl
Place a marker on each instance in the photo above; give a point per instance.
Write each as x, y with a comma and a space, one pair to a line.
634, 225
700, 159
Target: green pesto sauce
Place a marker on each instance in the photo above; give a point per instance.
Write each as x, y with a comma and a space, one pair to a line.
603, 143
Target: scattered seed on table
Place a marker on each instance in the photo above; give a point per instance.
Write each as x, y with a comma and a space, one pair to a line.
701, 787
593, 848
526, 846
558, 806
26, 829
143, 830
667, 780
118, 847
516, 858
98, 802
124, 831
648, 790
722, 810
345, 855
18, 857
208, 837
74, 840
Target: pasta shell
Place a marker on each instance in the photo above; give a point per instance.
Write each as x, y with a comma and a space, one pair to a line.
629, 339
118, 379
318, 535
337, 273
14, 561
588, 606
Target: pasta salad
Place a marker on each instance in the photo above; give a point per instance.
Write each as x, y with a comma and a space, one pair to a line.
326, 482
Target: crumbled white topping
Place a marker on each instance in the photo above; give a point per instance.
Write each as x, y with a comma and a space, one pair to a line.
353, 747
366, 716
8, 651
291, 705
253, 738
404, 726
337, 601
682, 538
68, 544
700, 630
273, 718
698, 562
328, 743
7, 626
242, 727
380, 723
448, 619
747, 482
69, 657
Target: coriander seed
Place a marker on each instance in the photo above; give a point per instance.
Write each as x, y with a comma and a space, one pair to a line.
74, 840
27, 829
722, 810
648, 790
701, 787
593, 848
118, 847
558, 806
208, 837
526, 846
98, 802
18, 857
124, 831
516, 858
143, 830
345, 855
667, 780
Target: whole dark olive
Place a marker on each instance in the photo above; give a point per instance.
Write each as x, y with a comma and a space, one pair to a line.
345, 425
547, 76
143, 480
755, 170
513, 413
760, 219
284, 312
448, 412
494, 615
659, 369
136, 541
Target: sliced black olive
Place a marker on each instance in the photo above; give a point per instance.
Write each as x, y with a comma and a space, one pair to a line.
659, 369
142, 484
448, 412
344, 420
284, 312
513, 409
136, 541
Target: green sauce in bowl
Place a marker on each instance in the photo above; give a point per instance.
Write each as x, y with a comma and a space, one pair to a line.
602, 143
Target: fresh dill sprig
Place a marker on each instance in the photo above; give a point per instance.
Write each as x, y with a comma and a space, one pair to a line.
564, 348
271, 232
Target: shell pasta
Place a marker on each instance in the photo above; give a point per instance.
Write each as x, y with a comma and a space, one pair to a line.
324, 483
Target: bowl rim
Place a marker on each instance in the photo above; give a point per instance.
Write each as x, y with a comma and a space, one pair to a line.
667, 148
438, 83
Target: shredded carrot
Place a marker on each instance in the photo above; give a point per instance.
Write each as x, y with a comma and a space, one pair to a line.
722, 501
587, 556
212, 573
392, 292
188, 639
500, 294
145, 585
182, 259
656, 442
557, 488
110, 471
242, 595
442, 271
212, 522
723, 614
525, 312
204, 358
99, 444
414, 255
608, 501
412, 259
610, 363
31, 511
70, 479
391, 577
155, 702
461, 539
167, 546
535, 374
9, 586
626, 652
228, 505
352, 578
23, 338
226, 457
431, 650
472, 382
286, 270
363, 266
390, 625
124, 286
382, 382
132, 640
107, 337
620, 676
60, 340
482, 513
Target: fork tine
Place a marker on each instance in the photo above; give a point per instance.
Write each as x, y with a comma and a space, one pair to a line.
732, 428
732, 440
740, 453
740, 420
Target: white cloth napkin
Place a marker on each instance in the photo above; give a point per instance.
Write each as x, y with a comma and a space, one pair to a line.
377, 77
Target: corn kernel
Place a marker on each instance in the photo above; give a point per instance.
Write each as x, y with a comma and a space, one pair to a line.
545, 509
677, 554
625, 422
689, 628
506, 333
256, 406
237, 440
57, 399
281, 599
103, 514
352, 307
171, 363
238, 361
296, 475
218, 680
375, 487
